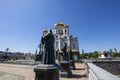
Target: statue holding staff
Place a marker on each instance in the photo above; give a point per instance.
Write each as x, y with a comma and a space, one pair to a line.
49, 53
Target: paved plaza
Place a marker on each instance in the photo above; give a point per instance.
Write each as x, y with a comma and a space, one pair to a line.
25, 72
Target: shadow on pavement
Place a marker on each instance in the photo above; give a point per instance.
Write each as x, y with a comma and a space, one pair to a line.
80, 69
78, 76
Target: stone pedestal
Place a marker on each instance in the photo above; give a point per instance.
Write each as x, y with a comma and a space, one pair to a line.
65, 69
60, 58
46, 72
72, 62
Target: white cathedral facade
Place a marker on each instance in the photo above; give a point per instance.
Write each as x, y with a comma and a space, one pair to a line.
62, 36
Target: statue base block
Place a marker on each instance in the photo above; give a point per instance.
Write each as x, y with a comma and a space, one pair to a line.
46, 72
65, 69
72, 64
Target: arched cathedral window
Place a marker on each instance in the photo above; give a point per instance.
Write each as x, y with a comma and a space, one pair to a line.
65, 30
59, 31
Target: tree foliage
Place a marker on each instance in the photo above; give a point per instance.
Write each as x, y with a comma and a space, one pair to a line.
118, 54
95, 54
89, 55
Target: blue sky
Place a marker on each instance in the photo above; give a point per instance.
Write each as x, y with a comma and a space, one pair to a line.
95, 22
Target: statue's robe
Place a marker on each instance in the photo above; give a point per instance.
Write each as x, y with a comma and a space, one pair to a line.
49, 53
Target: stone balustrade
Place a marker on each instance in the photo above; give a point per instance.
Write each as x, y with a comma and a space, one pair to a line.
112, 66
96, 73
22, 62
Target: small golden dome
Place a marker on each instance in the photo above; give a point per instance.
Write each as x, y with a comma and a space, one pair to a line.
71, 35
74, 50
65, 26
45, 30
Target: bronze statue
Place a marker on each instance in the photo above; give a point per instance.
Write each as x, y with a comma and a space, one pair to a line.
65, 53
48, 42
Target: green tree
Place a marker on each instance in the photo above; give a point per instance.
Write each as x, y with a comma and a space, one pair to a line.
86, 55
90, 55
115, 54
95, 54
82, 55
118, 54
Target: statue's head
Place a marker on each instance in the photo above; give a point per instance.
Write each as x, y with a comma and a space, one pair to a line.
50, 31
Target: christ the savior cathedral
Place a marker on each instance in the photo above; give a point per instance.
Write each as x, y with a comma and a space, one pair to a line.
62, 35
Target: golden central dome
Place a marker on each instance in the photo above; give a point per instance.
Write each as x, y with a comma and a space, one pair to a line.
60, 24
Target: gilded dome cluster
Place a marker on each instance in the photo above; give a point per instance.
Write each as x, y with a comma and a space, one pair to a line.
60, 24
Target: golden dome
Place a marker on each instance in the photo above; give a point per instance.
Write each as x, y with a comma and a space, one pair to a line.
45, 30
65, 26
58, 24
74, 50
71, 35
